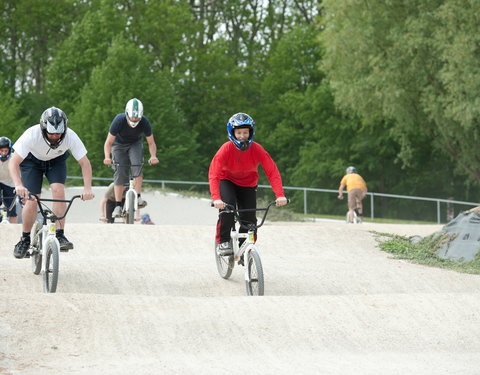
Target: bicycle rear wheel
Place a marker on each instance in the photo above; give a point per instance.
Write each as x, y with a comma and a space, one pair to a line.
130, 208
36, 248
255, 282
50, 274
224, 264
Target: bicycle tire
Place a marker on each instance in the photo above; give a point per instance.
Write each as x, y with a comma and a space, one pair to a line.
130, 208
255, 282
50, 274
36, 248
225, 264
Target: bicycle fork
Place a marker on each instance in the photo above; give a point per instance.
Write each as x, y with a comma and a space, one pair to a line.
48, 237
244, 250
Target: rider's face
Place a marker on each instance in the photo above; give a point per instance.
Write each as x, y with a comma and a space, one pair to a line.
241, 134
53, 137
4, 151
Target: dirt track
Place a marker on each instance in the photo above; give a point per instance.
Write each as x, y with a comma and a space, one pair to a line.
148, 300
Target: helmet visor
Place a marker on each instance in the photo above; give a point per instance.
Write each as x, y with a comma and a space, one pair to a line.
54, 126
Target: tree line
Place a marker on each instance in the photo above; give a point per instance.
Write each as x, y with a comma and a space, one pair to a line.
389, 87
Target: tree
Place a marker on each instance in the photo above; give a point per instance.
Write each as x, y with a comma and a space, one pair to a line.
84, 49
125, 74
29, 33
399, 63
13, 124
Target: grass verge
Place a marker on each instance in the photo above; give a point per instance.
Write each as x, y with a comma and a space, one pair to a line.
424, 251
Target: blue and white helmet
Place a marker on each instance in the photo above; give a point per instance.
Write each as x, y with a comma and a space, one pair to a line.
238, 121
53, 121
4, 143
351, 170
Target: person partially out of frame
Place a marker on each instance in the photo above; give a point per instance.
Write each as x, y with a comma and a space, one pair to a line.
6, 182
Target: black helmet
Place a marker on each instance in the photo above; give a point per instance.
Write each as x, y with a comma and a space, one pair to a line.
53, 121
4, 143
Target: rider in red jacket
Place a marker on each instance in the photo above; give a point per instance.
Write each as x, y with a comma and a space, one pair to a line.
233, 177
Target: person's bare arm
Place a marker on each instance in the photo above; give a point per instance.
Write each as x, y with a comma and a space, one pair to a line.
152, 148
14, 169
107, 149
87, 178
340, 191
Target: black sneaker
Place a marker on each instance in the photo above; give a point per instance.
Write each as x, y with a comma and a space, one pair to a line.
21, 248
65, 244
224, 249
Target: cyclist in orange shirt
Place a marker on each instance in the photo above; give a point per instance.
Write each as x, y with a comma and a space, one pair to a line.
357, 190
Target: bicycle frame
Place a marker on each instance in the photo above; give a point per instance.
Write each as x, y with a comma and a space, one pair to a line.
247, 246
242, 252
130, 209
129, 204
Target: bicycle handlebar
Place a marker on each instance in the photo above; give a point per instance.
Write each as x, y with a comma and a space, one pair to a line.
46, 212
229, 209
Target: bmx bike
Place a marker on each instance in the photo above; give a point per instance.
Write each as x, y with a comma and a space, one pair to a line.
131, 209
357, 219
3, 210
247, 254
45, 248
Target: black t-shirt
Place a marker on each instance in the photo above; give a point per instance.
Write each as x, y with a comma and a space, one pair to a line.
125, 134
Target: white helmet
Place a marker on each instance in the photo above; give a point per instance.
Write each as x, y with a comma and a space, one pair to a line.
351, 170
134, 112
53, 121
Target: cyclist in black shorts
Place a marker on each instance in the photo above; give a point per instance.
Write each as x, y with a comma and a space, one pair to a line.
42, 150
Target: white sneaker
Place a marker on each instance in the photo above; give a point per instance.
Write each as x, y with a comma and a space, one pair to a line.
141, 203
117, 212
224, 249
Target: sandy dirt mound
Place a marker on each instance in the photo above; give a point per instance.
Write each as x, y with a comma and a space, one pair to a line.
148, 300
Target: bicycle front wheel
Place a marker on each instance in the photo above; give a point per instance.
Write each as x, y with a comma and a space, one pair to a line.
255, 284
130, 208
224, 264
50, 274
36, 248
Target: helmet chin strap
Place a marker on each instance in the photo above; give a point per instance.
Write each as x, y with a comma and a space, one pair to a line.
53, 145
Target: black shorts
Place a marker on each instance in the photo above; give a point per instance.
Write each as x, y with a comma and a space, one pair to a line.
33, 170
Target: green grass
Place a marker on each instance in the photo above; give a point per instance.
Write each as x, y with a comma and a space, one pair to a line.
424, 251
